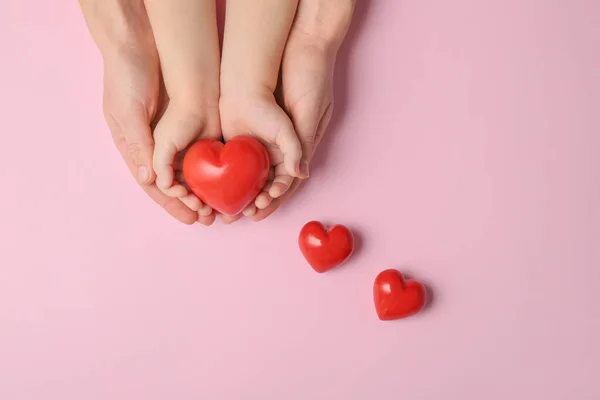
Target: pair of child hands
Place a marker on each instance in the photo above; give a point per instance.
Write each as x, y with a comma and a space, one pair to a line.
221, 97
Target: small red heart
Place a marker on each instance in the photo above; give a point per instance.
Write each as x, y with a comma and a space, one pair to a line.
227, 176
325, 250
396, 298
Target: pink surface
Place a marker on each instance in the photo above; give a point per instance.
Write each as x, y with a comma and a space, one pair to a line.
464, 151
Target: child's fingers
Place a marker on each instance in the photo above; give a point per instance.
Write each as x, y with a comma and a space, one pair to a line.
185, 33
206, 220
205, 210
281, 182
229, 219
170, 137
262, 214
264, 199
250, 210
192, 202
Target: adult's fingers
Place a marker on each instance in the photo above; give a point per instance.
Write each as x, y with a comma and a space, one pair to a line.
131, 86
290, 147
311, 135
133, 137
173, 206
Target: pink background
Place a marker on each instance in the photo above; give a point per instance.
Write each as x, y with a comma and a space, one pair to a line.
464, 151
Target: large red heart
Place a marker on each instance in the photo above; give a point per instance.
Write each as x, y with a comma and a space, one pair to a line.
396, 298
228, 176
325, 250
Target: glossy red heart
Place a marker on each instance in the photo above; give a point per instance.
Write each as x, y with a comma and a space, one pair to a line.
325, 250
228, 176
396, 298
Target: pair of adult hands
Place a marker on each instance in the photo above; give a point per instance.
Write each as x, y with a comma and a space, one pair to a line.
137, 101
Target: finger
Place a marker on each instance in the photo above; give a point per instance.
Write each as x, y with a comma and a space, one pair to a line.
263, 200
249, 211
207, 220
186, 37
132, 135
262, 214
173, 206
205, 210
229, 219
290, 147
192, 202
310, 127
174, 132
281, 182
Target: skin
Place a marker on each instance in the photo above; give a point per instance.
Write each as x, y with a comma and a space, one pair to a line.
256, 32
186, 37
132, 85
161, 73
306, 88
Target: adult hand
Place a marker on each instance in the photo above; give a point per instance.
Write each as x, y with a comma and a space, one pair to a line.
132, 90
306, 88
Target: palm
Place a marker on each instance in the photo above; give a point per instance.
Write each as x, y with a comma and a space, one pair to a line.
306, 94
261, 117
306, 89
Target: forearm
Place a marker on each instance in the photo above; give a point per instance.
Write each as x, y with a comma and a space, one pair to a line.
324, 23
116, 25
187, 40
255, 35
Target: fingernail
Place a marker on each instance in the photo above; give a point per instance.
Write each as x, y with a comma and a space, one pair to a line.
143, 174
304, 171
297, 169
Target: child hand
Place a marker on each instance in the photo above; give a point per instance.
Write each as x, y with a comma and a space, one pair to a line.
261, 117
255, 36
187, 40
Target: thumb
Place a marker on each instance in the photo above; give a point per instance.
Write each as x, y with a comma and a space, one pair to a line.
310, 127
290, 147
133, 137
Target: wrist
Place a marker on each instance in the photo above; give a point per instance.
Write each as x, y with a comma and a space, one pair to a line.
118, 25
240, 85
323, 23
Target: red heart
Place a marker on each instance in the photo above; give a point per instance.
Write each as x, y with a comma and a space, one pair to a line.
396, 298
228, 176
324, 250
